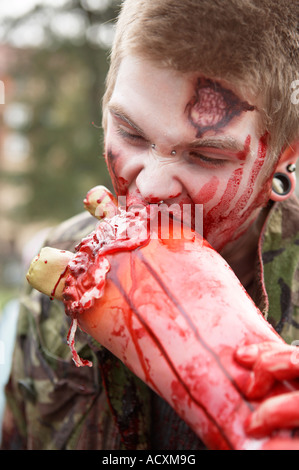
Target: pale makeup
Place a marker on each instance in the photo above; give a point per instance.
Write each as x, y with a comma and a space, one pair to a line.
209, 147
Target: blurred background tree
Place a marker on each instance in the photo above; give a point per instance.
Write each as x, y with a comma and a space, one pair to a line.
53, 63
55, 55
61, 83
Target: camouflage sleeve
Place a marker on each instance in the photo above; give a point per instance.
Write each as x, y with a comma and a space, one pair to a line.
280, 257
43, 381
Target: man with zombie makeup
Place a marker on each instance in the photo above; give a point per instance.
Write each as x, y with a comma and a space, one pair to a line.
197, 110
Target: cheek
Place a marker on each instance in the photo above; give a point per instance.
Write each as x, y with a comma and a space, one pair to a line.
217, 213
249, 186
251, 192
207, 194
208, 191
242, 155
113, 161
236, 206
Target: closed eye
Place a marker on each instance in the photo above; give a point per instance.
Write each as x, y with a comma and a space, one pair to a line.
130, 136
197, 157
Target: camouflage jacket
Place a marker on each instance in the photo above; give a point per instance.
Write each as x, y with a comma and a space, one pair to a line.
52, 405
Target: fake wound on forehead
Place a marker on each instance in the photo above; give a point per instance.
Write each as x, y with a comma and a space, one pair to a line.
213, 106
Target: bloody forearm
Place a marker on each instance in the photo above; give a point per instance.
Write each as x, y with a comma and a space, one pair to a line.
173, 311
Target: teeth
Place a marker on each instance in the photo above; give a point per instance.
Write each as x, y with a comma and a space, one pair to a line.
48, 271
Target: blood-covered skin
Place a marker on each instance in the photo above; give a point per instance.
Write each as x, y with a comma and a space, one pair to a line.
213, 106
238, 213
119, 183
259, 162
244, 153
208, 191
125, 231
218, 140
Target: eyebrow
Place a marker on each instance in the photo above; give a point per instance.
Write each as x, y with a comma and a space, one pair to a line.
228, 143
119, 113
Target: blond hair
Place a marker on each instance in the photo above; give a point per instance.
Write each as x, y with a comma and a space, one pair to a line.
252, 43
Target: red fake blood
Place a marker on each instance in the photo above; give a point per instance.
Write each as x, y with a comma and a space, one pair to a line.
208, 190
242, 155
119, 183
88, 268
71, 342
134, 312
57, 283
219, 212
238, 210
259, 162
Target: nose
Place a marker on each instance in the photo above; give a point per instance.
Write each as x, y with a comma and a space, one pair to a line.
158, 181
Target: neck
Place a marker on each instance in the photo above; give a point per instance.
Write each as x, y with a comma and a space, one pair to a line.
241, 253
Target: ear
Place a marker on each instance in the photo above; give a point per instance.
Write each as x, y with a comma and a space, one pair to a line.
284, 180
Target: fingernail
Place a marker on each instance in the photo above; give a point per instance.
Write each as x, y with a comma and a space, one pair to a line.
254, 425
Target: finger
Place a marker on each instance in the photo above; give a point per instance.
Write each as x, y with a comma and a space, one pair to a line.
281, 443
100, 202
280, 412
258, 357
48, 271
259, 384
269, 362
281, 365
248, 355
265, 373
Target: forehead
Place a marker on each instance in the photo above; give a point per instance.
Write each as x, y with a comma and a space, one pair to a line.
136, 75
154, 98
139, 79
181, 103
